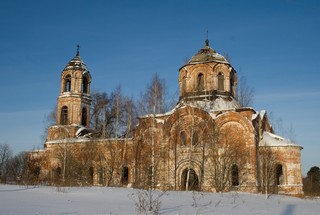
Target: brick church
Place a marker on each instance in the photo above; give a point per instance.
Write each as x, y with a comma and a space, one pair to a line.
206, 142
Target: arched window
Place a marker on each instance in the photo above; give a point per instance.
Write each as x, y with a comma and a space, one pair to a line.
84, 117
91, 175
37, 171
125, 175
220, 81
85, 84
279, 174
234, 175
67, 83
200, 82
64, 115
195, 138
58, 171
183, 139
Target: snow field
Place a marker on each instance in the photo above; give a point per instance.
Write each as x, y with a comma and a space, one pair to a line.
43, 200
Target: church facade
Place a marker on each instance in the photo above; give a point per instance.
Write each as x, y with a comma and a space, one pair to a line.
206, 142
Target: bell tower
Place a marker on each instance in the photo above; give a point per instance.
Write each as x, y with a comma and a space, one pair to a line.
73, 106
207, 76
74, 99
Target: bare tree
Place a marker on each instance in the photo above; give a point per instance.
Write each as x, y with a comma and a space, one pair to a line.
267, 166
48, 121
98, 119
5, 155
108, 162
153, 99
117, 104
153, 102
130, 116
194, 141
33, 163
112, 116
83, 166
244, 93
228, 159
66, 159
129, 120
16, 167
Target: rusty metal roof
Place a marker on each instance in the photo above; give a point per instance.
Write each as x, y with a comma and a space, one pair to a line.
76, 63
207, 55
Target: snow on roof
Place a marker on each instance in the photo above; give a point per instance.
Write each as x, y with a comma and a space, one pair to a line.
85, 140
162, 114
254, 116
79, 130
76, 63
207, 55
262, 114
160, 121
217, 105
35, 151
272, 140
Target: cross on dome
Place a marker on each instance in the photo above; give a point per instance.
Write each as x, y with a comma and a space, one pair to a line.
78, 47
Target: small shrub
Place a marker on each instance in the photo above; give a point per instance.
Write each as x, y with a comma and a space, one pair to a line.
147, 201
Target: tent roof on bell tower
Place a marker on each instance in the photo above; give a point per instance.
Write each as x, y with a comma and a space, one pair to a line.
76, 63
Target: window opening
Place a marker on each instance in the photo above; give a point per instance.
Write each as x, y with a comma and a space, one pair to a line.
234, 175
85, 84
91, 175
67, 81
84, 117
195, 138
183, 138
220, 81
64, 115
58, 171
125, 175
37, 171
279, 174
200, 82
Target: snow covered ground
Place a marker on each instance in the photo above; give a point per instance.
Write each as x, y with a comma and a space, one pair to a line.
106, 201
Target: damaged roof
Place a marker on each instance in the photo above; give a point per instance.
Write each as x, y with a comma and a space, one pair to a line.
207, 55
76, 63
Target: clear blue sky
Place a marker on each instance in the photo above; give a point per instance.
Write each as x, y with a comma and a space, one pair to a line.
275, 44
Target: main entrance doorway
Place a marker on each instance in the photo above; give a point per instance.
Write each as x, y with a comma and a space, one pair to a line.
193, 183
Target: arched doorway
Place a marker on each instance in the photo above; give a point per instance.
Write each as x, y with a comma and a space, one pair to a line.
234, 175
193, 183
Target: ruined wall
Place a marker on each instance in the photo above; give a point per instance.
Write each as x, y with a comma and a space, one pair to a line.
290, 159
